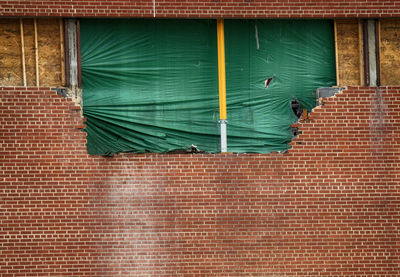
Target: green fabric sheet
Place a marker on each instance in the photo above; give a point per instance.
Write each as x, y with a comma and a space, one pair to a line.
151, 85
300, 57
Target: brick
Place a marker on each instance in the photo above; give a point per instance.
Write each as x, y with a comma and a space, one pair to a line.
328, 207
204, 8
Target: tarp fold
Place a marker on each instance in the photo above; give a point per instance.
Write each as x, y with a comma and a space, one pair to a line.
151, 85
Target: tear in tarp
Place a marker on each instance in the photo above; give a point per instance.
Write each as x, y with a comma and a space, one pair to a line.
152, 85
296, 56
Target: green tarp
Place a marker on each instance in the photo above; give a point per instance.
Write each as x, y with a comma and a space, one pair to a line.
152, 85
298, 55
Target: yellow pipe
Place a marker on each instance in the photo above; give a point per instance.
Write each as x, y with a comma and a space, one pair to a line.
221, 69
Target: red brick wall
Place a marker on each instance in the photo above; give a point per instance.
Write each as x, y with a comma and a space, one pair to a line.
329, 207
203, 8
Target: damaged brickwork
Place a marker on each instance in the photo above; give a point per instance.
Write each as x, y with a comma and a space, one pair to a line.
328, 207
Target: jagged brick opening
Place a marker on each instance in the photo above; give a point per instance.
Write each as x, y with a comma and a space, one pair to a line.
327, 207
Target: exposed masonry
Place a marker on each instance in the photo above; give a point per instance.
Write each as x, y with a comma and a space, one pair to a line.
203, 9
74, 93
328, 207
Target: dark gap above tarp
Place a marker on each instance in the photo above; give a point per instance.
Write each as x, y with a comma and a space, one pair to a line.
152, 85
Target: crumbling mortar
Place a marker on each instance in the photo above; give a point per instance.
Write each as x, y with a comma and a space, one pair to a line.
74, 93
308, 118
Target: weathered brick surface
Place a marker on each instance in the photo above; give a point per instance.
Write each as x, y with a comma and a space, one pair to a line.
329, 207
203, 8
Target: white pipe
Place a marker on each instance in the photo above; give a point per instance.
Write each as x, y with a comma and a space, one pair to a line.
224, 147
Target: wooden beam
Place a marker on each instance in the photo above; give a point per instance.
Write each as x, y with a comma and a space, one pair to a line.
378, 51
78, 52
36, 52
336, 53
365, 53
380, 42
67, 82
62, 51
21, 27
360, 51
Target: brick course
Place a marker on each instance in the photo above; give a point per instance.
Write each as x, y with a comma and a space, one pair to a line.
329, 207
203, 8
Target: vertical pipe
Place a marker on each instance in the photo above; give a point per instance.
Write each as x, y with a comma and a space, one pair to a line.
36, 52
222, 83
224, 145
21, 28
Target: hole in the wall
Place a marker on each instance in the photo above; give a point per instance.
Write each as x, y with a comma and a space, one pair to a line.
296, 108
193, 149
164, 124
295, 131
61, 91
